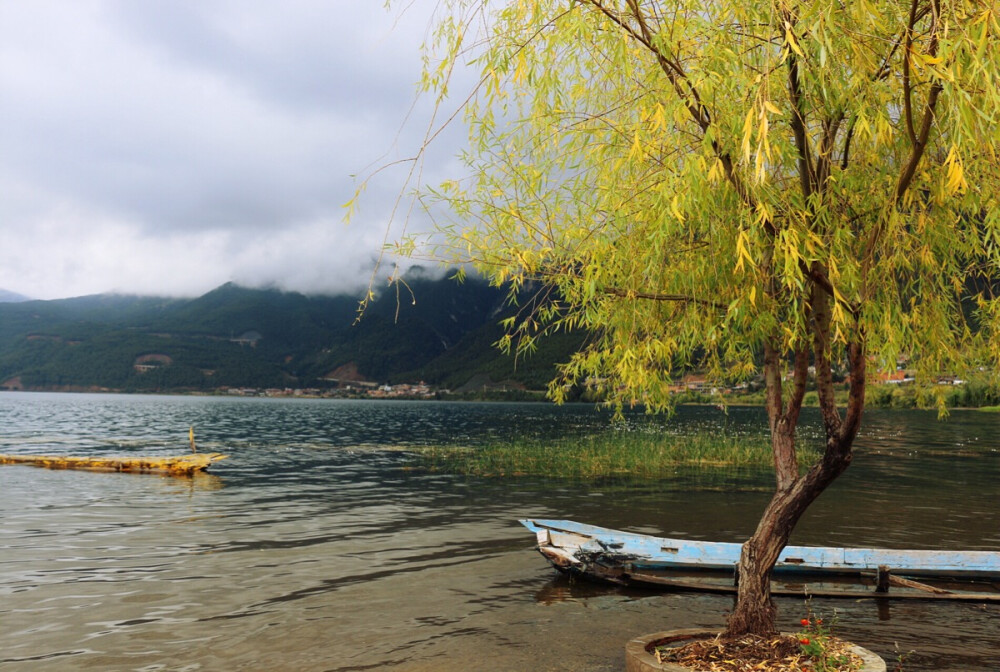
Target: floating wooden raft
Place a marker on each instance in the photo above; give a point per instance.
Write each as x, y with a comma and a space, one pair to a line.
181, 465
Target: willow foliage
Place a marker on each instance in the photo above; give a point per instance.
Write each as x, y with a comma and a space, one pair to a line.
681, 178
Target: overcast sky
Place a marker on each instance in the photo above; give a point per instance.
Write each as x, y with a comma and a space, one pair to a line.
169, 146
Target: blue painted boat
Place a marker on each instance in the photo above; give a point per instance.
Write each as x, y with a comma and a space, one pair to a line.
628, 558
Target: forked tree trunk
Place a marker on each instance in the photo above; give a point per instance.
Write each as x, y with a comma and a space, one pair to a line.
755, 611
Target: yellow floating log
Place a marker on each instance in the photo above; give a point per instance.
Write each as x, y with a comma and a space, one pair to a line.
183, 465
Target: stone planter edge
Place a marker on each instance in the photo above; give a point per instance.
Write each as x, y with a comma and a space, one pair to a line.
638, 659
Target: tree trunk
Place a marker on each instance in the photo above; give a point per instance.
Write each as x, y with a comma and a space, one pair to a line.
755, 611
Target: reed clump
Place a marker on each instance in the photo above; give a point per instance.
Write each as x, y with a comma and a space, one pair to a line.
625, 454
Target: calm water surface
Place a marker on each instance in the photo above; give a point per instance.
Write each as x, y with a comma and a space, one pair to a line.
316, 547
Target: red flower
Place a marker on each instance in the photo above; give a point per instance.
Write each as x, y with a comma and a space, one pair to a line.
804, 640
805, 621
819, 620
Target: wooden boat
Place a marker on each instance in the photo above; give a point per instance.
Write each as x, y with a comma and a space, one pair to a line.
181, 465
634, 559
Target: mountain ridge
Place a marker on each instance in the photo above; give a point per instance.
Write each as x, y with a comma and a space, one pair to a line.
7, 296
238, 337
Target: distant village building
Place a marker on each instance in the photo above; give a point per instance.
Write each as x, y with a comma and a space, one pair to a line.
244, 391
12, 384
419, 390
897, 377
689, 383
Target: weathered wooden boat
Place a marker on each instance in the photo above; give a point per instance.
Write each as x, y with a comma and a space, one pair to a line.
627, 558
181, 465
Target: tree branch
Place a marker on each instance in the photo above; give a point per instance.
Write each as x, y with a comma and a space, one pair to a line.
818, 276
907, 87
824, 159
786, 461
918, 140
541, 275
807, 178
857, 364
800, 376
883, 72
820, 302
845, 156
656, 296
772, 385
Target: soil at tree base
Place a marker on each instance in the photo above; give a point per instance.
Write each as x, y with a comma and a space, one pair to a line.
781, 653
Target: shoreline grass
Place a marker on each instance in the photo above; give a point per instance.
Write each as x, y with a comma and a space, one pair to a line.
625, 454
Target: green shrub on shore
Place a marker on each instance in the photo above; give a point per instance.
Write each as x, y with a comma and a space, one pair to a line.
977, 392
618, 454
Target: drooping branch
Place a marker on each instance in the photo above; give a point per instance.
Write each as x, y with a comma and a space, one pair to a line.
686, 91
883, 72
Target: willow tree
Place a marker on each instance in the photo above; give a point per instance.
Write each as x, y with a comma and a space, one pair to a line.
747, 187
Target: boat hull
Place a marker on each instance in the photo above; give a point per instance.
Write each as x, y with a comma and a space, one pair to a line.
626, 558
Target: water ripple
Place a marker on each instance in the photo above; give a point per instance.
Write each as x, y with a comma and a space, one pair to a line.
313, 548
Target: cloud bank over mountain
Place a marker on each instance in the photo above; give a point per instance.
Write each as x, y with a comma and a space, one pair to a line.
166, 147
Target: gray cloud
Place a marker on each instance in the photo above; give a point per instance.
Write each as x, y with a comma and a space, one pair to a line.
167, 146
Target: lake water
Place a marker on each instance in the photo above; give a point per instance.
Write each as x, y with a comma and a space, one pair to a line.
317, 547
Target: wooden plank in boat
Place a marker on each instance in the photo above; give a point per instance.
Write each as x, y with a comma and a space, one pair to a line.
818, 589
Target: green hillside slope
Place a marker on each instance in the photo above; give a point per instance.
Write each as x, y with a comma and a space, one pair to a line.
233, 336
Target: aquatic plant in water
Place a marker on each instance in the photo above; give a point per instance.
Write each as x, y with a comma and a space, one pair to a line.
617, 454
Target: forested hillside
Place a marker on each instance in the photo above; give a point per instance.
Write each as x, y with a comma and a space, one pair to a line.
237, 337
